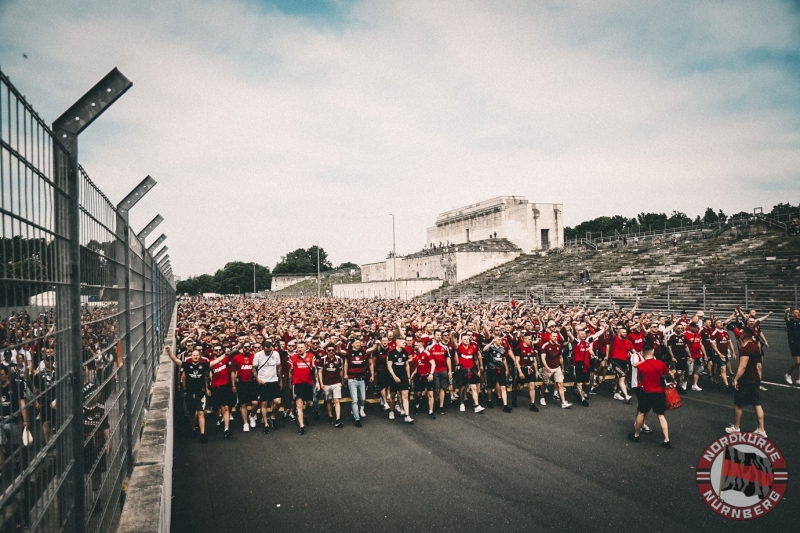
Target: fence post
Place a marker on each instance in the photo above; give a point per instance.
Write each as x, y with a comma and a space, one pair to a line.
67, 128
704, 298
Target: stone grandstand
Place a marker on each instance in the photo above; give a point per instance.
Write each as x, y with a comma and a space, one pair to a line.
756, 265
308, 286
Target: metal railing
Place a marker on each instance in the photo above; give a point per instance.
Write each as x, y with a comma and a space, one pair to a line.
84, 311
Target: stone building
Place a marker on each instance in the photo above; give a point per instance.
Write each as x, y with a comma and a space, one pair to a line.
532, 227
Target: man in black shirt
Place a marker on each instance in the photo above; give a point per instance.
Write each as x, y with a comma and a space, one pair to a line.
12, 409
496, 371
792, 317
195, 372
397, 364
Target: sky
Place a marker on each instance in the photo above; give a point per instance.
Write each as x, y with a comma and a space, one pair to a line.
273, 125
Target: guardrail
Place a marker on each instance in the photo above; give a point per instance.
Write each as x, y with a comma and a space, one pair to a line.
85, 308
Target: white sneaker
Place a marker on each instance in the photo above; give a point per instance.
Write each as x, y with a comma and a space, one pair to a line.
683, 385
362, 413
252, 421
542, 401
398, 409
732, 429
479, 408
386, 407
760, 433
408, 420
618, 396
763, 388
566, 405
455, 396
788, 378
628, 398
462, 408
696, 388
246, 427
391, 415
555, 396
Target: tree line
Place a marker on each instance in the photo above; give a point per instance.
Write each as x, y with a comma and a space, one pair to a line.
237, 277
659, 221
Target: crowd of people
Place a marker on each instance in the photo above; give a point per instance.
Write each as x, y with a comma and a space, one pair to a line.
278, 361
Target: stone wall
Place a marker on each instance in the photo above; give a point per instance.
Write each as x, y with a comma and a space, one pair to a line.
452, 266
281, 282
406, 288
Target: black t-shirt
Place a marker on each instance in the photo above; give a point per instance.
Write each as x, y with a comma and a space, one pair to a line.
793, 330
43, 381
496, 355
195, 375
9, 401
398, 359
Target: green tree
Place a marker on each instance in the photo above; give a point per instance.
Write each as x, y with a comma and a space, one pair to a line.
722, 216
303, 261
710, 217
348, 265
233, 278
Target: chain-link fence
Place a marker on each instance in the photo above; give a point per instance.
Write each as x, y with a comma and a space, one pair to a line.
85, 309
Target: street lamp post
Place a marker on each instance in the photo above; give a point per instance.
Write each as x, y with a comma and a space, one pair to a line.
254, 279
394, 259
319, 290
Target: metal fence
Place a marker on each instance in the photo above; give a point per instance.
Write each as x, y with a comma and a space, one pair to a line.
85, 309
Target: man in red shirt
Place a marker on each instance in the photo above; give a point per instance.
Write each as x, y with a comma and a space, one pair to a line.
422, 375
245, 383
583, 353
222, 394
650, 372
301, 377
469, 362
694, 343
747, 382
527, 370
442, 369
553, 368
719, 353
620, 348
356, 367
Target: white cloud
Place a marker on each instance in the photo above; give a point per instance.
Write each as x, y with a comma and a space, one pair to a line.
268, 132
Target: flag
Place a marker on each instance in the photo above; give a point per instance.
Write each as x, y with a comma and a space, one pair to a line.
746, 472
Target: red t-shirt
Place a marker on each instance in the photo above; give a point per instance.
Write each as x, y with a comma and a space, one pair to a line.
243, 364
424, 363
637, 339
650, 372
439, 355
722, 340
695, 343
301, 366
466, 355
331, 369
220, 373
620, 348
552, 355
582, 353
526, 354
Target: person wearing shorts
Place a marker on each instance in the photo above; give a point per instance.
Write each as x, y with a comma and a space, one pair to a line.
222, 397
422, 375
469, 373
496, 371
527, 370
443, 368
397, 363
747, 382
792, 318
697, 353
676, 345
330, 370
266, 366
380, 373
553, 368
246, 387
650, 372
302, 379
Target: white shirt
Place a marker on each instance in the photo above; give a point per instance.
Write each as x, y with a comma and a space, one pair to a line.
266, 366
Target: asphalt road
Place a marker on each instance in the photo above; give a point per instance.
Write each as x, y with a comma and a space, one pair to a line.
556, 470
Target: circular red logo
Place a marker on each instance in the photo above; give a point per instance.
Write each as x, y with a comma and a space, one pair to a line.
742, 476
